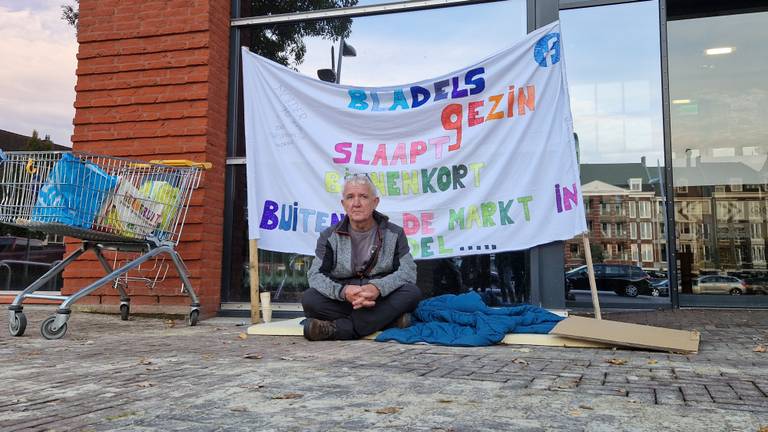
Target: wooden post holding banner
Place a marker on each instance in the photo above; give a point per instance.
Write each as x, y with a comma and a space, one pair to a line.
591, 273
253, 272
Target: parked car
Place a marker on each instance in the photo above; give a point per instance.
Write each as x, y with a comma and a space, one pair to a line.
718, 284
756, 280
657, 276
626, 280
662, 288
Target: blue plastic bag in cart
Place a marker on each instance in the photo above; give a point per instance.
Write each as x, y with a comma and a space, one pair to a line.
73, 193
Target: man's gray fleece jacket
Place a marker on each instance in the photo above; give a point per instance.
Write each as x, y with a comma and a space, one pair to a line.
391, 265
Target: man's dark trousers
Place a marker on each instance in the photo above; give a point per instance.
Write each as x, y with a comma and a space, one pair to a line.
357, 323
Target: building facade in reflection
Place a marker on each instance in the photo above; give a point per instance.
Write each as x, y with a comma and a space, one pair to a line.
625, 217
675, 184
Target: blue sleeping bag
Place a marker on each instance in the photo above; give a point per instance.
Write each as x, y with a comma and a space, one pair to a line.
73, 193
464, 320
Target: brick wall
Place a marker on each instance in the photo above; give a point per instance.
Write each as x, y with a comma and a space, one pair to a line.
152, 81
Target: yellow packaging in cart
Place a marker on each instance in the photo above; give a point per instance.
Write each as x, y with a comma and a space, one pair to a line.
130, 213
162, 192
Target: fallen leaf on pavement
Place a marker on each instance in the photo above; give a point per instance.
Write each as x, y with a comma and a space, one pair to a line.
760, 348
170, 323
121, 415
242, 336
288, 396
586, 407
445, 401
615, 361
575, 413
144, 384
253, 356
145, 361
763, 429
652, 361
388, 410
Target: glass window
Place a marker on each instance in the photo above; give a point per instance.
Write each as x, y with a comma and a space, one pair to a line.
250, 8
27, 255
645, 209
406, 55
717, 70
617, 112
645, 231
647, 251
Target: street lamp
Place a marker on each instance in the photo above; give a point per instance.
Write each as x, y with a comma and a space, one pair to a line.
331, 75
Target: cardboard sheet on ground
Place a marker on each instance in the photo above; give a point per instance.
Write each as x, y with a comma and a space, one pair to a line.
292, 327
630, 335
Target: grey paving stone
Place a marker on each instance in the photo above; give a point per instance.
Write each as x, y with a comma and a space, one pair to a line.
141, 375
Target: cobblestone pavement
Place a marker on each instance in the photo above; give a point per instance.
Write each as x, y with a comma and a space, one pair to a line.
154, 374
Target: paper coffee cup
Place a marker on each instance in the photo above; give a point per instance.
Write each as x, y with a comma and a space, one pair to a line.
266, 299
266, 305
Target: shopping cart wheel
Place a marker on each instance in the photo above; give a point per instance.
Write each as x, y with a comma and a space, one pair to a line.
46, 329
124, 311
193, 317
17, 323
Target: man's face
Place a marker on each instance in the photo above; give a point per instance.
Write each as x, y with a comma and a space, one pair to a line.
359, 203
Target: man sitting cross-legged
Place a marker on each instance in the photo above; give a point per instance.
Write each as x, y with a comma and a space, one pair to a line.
363, 277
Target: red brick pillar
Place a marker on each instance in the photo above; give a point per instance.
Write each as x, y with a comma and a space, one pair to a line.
152, 84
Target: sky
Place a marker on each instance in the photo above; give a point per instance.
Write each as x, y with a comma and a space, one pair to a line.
37, 77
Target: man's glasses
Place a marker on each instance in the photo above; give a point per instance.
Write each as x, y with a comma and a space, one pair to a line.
349, 176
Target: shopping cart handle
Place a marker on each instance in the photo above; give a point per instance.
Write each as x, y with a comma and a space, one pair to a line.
183, 163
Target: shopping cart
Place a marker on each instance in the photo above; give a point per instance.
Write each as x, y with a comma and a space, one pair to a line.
110, 204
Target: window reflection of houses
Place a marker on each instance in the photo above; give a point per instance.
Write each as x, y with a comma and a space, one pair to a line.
625, 215
720, 215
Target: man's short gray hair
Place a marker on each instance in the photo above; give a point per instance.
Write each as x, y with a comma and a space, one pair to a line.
359, 179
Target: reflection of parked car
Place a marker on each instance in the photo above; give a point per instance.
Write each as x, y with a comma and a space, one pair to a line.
23, 260
660, 288
756, 281
657, 276
716, 284
622, 279
15, 248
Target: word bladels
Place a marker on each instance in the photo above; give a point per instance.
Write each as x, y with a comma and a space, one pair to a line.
453, 88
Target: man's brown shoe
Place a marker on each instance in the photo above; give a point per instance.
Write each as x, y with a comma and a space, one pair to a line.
318, 330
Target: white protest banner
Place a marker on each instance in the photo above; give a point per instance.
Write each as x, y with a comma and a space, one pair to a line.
479, 160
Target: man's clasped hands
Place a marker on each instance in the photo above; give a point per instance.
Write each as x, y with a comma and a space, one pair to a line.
361, 296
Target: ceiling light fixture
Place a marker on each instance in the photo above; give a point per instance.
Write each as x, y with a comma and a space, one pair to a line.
681, 101
718, 51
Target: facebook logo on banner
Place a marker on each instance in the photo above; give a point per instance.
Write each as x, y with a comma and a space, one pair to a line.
547, 47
